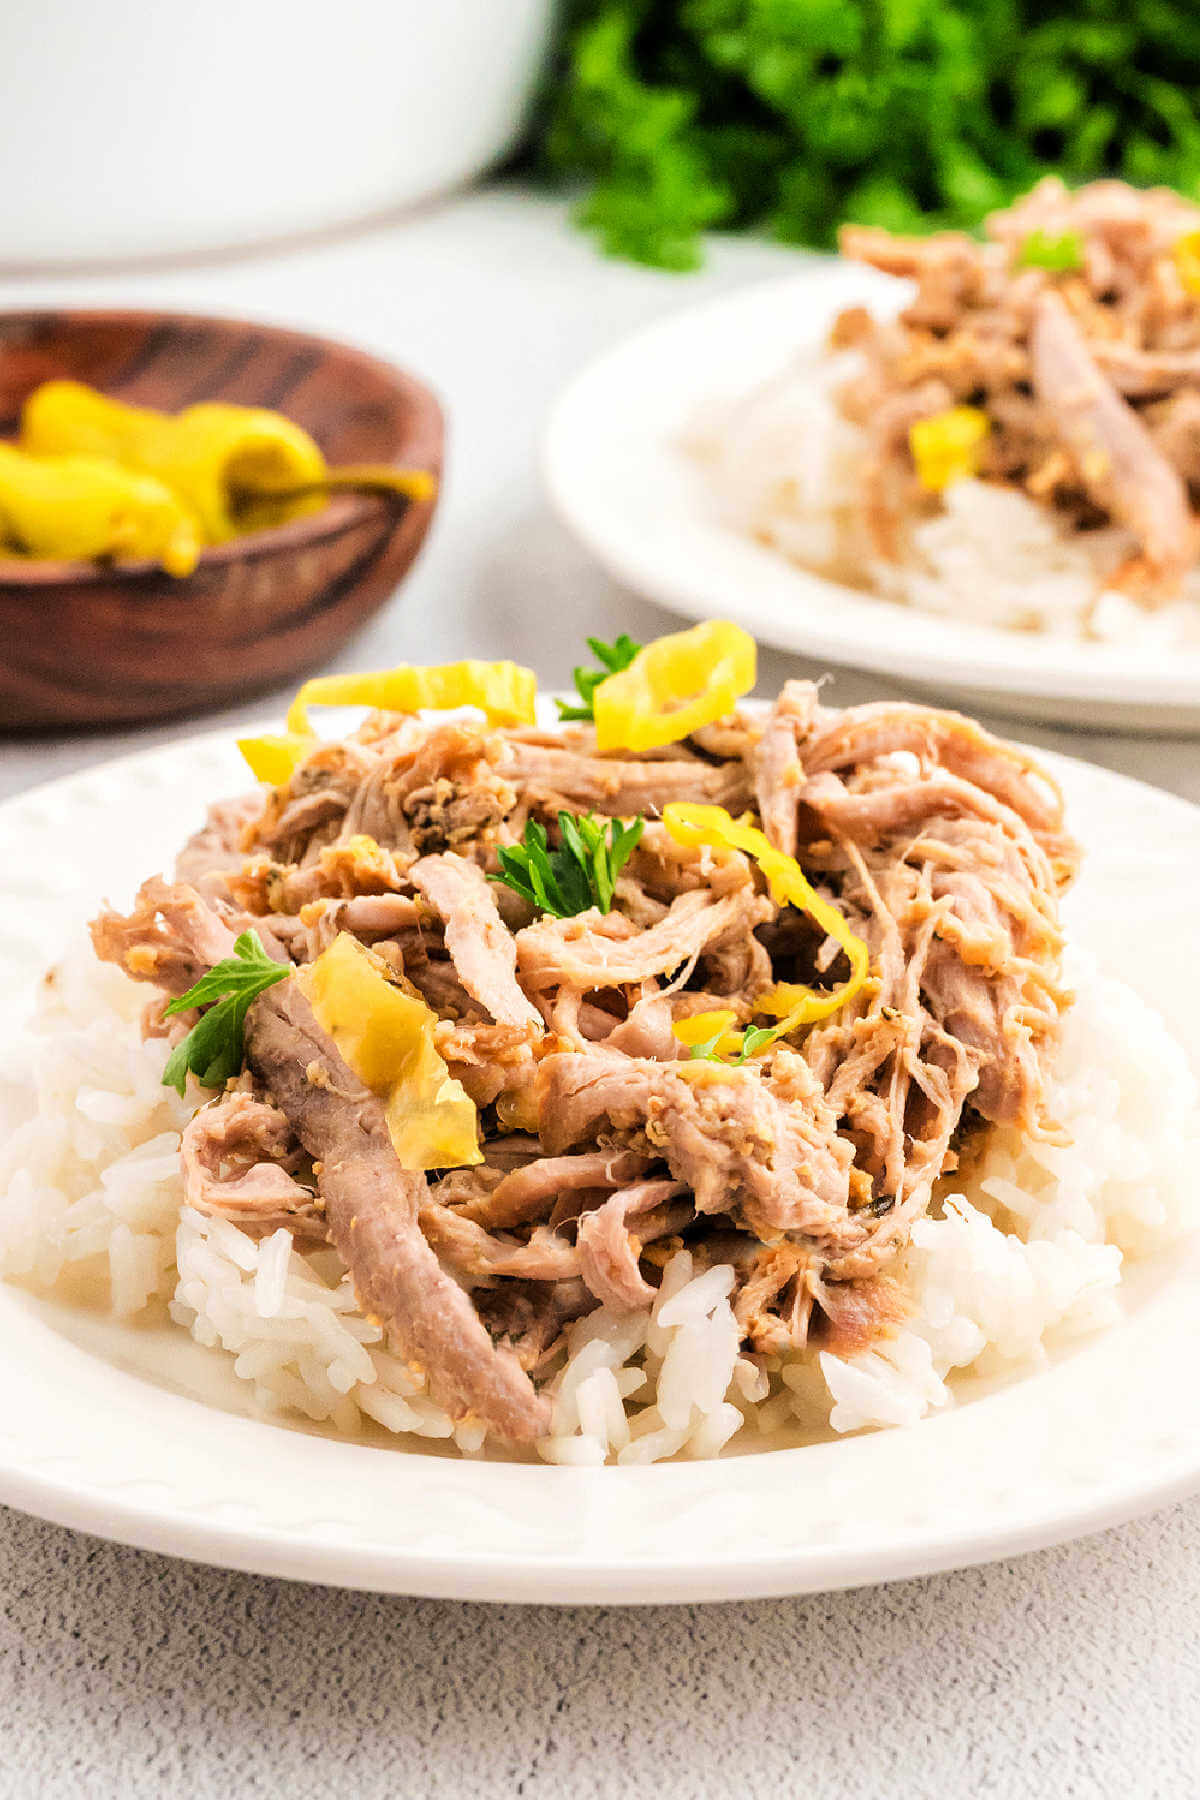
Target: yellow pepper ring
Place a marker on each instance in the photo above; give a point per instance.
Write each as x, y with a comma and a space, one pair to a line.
713, 828
674, 686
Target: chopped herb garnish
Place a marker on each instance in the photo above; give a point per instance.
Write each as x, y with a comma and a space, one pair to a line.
1059, 255
212, 1049
579, 874
614, 658
755, 1037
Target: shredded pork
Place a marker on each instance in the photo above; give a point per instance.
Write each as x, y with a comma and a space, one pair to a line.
604, 1145
239, 1160
1087, 374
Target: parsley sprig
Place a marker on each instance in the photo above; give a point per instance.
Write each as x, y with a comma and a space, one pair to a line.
755, 1037
614, 658
212, 1049
580, 873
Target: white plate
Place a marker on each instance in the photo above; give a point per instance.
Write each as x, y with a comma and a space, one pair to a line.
143, 1437
616, 475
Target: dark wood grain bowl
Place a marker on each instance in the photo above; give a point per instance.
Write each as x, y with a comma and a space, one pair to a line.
91, 644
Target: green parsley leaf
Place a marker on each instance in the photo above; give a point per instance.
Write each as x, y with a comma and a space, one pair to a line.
755, 1037
1060, 255
613, 658
212, 1049
581, 873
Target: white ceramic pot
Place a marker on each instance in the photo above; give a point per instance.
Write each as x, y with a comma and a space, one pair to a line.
147, 127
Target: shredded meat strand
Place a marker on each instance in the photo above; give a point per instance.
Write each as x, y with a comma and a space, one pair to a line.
236, 1156
481, 946
372, 1206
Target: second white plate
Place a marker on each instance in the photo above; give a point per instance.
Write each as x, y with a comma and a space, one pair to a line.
617, 476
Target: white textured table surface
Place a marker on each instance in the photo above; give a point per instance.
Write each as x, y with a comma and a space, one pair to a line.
1075, 1672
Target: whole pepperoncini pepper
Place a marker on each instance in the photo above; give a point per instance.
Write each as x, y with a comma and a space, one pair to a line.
236, 468
77, 508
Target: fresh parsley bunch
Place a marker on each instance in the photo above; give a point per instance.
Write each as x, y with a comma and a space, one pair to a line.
792, 115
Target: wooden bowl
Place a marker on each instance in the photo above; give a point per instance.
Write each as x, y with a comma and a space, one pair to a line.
101, 644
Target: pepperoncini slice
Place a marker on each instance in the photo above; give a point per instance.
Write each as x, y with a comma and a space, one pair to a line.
386, 1036
275, 758
674, 686
236, 468
949, 446
80, 507
504, 691
1187, 260
792, 1004
714, 1028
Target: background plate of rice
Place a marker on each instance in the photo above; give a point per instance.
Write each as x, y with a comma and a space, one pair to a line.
240, 1412
714, 534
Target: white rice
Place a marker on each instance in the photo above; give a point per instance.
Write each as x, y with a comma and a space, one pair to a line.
784, 467
1031, 1249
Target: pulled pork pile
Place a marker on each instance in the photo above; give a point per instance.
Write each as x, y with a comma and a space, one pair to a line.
605, 1145
1075, 329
